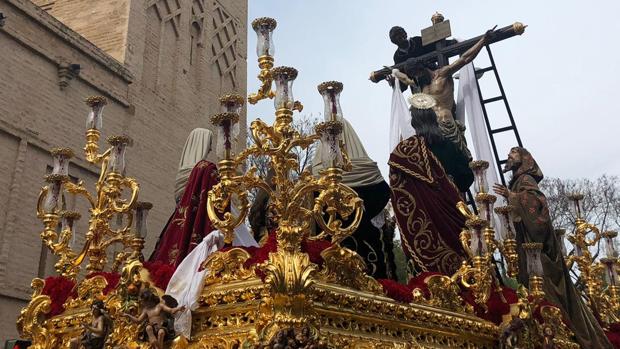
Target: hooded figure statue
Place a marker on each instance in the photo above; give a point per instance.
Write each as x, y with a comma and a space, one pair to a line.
533, 224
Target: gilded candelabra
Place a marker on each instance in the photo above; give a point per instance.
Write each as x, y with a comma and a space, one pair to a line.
107, 202
115, 199
507, 243
289, 270
477, 275
265, 50
595, 273
590, 272
533, 251
479, 239
264, 27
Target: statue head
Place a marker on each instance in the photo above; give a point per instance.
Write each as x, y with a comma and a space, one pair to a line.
520, 162
514, 160
149, 298
424, 121
398, 36
97, 307
421, 74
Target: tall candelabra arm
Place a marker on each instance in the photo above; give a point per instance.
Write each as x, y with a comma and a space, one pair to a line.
79, 259
122, 206
40, 200
254, 181
343, 201
79, 189
262, 133
302, 142
464, 210
570, 261
465, 237
118, 236
301, 193
245, 154
217, 203
253, 151
582, 231
264, 91
465, 274
57, 243
334, 228
91, 150
103, 172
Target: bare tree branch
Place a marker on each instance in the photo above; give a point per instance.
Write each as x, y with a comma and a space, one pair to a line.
600, 206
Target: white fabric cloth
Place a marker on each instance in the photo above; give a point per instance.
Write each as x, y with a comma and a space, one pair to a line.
379, 220
400, 119
197, 148
187, 281
468, 103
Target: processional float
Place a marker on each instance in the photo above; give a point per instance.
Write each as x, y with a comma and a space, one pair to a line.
329, 301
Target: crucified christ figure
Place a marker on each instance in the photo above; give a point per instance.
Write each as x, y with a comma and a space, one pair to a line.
440, 84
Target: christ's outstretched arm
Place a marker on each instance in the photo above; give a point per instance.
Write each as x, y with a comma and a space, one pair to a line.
466, 57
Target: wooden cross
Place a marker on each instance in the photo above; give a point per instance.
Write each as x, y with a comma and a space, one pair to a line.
437, 34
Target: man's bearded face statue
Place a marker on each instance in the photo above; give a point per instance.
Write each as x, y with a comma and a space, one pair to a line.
514, 160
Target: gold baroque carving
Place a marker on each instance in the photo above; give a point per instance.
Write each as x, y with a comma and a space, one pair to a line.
347, 268
227, 266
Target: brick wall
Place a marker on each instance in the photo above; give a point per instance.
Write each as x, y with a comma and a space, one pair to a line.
104, 23
156, 94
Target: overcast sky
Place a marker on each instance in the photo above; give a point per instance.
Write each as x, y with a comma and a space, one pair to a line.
559, 76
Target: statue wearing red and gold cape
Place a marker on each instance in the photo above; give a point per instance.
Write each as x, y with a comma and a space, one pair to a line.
189, 223
427, 172
424, 201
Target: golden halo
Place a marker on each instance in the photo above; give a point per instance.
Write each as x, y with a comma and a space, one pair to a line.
422, 101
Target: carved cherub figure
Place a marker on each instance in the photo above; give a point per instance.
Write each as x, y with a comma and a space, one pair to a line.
156, 314
95, 333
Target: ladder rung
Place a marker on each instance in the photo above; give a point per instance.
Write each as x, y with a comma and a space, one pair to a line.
484, 70
502, 129
494, 99
501, 162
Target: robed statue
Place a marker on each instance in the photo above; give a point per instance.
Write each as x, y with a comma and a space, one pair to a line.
427, 174
368, 240
189, 223
533, 224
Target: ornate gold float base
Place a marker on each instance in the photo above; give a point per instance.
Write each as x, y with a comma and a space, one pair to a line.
238, 313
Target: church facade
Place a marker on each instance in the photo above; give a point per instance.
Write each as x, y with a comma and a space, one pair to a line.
161, 64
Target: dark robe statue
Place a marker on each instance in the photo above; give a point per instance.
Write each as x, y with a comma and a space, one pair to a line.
368, 240
411, 48
190, 222
533, 224
408, 48
424, 199
415, 49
